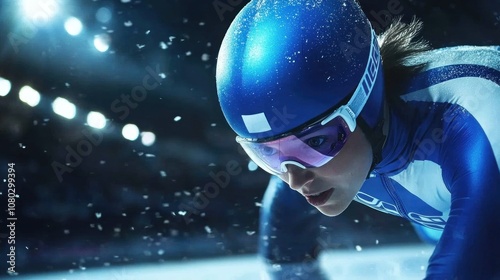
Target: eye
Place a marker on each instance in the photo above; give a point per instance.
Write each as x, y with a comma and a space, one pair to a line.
341, 137
316, 142
267, 151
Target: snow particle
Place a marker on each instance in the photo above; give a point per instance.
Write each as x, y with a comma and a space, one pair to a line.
207, 229
252, 166
205, 57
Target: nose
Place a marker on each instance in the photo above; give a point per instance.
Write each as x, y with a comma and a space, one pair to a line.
297, 177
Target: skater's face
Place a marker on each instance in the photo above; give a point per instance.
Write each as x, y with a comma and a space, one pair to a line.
336, 183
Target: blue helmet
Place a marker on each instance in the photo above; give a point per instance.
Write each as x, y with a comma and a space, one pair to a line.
284, 64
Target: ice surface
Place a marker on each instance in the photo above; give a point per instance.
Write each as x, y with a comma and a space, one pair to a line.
384, 262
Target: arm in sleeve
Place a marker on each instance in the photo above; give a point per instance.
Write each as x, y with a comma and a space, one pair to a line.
470, 245
288, 234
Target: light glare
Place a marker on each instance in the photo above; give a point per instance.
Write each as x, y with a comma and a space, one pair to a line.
101, 42
39, 12
103, 15
130, 132
29, 96
5, 86
148, 138
73, 26
96, 120
64, 108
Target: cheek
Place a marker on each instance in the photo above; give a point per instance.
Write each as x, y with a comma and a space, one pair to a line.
283, 177
353, 162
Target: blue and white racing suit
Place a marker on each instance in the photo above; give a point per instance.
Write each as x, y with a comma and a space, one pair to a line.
439, 169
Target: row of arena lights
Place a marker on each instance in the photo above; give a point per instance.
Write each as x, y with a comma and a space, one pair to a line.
74, 27
66, 109
40, 12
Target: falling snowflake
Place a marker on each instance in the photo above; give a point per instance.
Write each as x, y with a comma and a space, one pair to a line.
207, 229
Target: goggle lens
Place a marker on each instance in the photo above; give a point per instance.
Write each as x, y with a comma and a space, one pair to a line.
309, 148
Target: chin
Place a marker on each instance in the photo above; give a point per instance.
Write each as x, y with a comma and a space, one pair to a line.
331, 210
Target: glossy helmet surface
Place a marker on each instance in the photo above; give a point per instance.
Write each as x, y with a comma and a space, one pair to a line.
283, 64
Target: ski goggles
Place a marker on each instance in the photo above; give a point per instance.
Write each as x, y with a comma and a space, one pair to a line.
310, 147
321, 141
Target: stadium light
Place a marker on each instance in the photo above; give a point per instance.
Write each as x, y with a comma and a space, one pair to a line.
148, 138
64, 108
29, 96
96, 120
130, 132
39, 12
5, 86
73, 26
101, 42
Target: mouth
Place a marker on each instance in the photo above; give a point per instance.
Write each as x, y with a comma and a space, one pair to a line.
320, 198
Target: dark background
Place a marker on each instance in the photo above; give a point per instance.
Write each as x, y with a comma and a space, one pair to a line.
121, 202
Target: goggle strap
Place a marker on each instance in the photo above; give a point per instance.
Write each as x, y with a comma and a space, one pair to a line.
365, 86
346, 113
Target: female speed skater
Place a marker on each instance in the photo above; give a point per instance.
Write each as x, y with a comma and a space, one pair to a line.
337, 114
